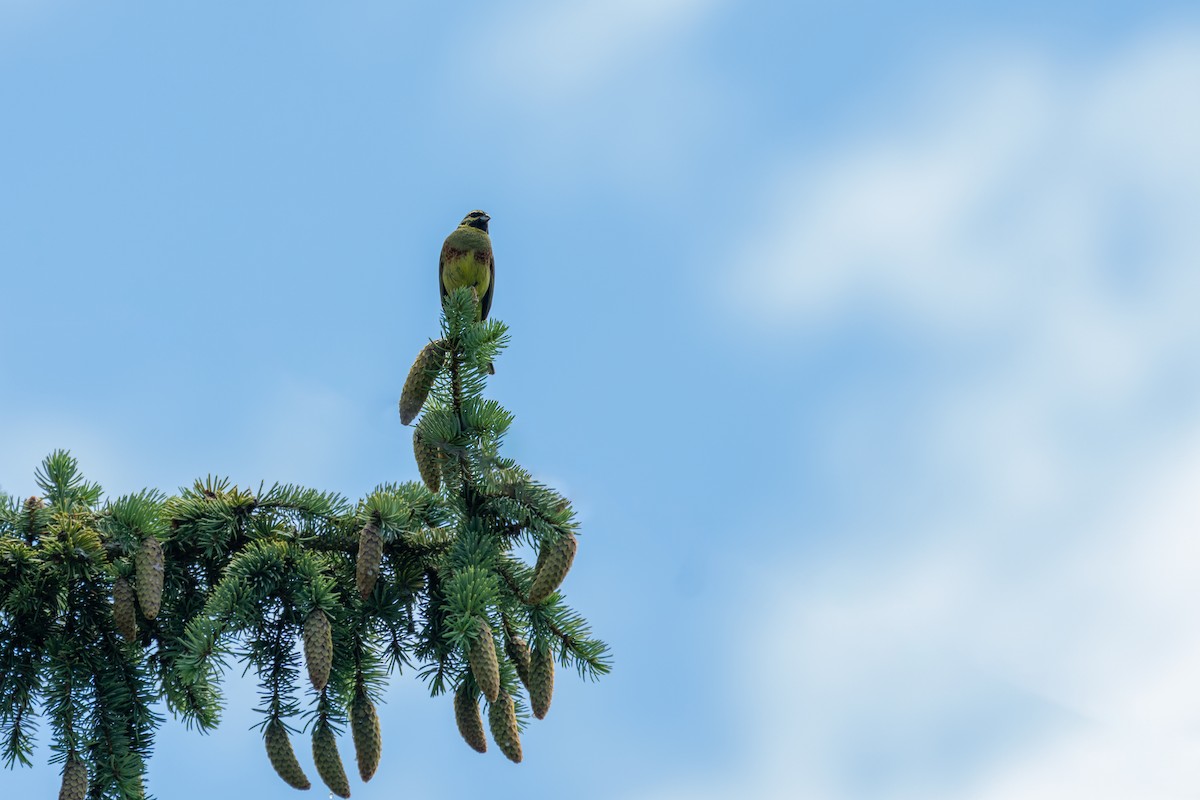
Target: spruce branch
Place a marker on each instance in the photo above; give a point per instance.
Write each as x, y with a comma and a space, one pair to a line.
109, 604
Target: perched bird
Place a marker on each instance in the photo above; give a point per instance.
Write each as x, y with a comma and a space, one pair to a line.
467, 260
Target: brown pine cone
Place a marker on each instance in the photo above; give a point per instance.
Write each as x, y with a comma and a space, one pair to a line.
518, 653
329, 761
148, 576
283, 757
368, 739
318, 648
75, 779
484, 664
427, 457
502, 719
555, 562
420, 380
124, 610
466, 716
370, 556
541, 681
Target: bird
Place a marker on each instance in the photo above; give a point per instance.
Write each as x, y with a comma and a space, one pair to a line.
467, 260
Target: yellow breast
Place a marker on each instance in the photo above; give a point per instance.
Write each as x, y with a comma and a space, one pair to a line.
458, 273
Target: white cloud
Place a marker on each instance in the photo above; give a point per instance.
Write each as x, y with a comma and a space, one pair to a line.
575, 92
555, 48
962, 670
1012, 183
1034, 634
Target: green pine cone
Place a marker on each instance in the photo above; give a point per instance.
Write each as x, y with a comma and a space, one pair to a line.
75, 779
420, 380
370, 556
124, 610
518, 653
484, 664
541, 681
368, 740
427, 462
283, 757
541, 559
318, 648
329, 761
502, 719
148, 572
555, 562
466, 716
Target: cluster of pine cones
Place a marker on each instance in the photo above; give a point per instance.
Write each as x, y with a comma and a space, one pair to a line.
536, 671
364, 723
147, 588
145, 593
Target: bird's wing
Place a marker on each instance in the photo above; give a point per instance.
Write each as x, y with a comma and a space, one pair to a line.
442, 268
485, 302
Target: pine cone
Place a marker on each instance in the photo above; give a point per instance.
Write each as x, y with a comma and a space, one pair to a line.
368, 741
555, 561
541, 681
484, 664
148, 570
541, 559
420, 380
124, 611
502, 719
466, 715
283, 757
518, 653
427, 462
329, 761
75, 779
318, 648
370, 556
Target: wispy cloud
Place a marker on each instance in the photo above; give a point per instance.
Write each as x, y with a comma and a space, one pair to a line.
1031, 632
552, 48
962, 669
598, 93
1013, 182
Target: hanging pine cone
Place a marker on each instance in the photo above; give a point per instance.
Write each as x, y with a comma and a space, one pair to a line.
466, 716
420, 380
555, 561
329, 761
74, 780
502, 719
518, 653
370, 556
368, 740
484, 664
318, 648
148, 570
124, 610
427, 461
283, 757
541, 559
541, 680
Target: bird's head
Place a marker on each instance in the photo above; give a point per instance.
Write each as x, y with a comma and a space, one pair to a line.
476, 219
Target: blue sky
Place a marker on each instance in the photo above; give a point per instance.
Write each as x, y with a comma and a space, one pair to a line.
862, 336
